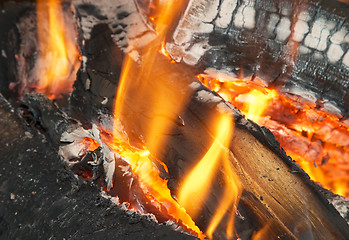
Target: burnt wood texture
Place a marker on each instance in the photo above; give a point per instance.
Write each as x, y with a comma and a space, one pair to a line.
41, 198
301, 46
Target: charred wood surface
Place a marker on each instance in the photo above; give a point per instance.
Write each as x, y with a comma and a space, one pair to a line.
41, 199
300, 45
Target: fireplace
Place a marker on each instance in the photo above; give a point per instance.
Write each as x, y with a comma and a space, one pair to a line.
139, 137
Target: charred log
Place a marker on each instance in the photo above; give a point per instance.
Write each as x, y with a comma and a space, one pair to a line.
298, 45
42, 198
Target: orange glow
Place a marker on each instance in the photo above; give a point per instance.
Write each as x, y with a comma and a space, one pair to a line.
90, 143
317, 140
152, 184
199, 181
59, 57
255, 102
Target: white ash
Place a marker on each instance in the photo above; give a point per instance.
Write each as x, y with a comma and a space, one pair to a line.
199, 16
224, 108
195, 85
76, 148
346, 59
220, 74
88, 84
331, 108
245, 15
105, 101
226, 13
194, 54
130, 32
3, 53
304, 94
83, 63
274, 19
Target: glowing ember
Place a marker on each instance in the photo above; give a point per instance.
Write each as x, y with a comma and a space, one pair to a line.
317, 140
59, 57
154, 186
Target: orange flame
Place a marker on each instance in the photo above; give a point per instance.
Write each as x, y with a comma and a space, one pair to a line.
58, 59
317, 140
141, 87
199, 182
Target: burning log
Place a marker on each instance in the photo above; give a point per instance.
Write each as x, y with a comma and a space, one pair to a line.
277, 200
268, 176
190, 136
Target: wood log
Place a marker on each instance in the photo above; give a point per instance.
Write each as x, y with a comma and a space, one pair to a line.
280, 43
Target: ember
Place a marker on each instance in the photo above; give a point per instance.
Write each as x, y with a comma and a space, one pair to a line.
316, 139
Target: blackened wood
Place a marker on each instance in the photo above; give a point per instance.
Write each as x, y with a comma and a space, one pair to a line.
41, 199
286, 43
10, 41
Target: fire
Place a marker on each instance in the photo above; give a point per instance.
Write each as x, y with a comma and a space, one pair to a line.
316, 139
143, 87
153, 185
58, 58
200, 180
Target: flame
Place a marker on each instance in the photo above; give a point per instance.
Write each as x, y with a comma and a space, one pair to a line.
317, 140
199, 182
58, 57
141, 87
255, 102
147, 90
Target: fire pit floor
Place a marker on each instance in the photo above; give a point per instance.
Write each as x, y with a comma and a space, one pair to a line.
40, 199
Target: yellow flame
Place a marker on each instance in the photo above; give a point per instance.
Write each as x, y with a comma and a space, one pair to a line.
199, 181
58, 52
142, 87
152, 183
256, 103
262, 233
